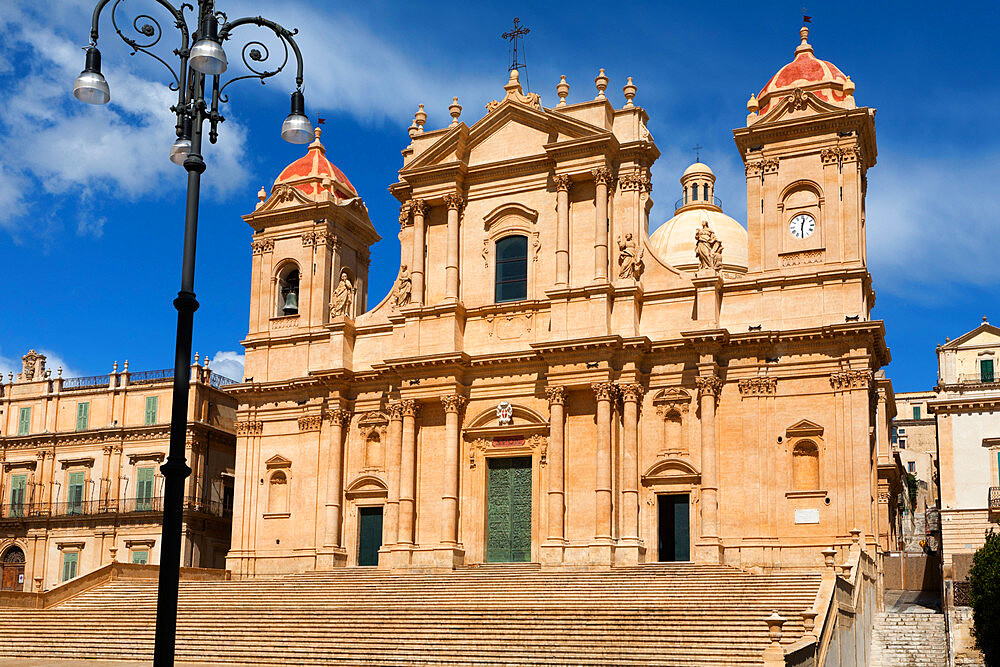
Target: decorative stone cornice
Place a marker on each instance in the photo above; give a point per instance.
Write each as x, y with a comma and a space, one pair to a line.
249, 427
338, 416
410, 407
454, 403
262, 246
851, 380
709, 385
605, 391
556, 395
454, 201
418, 206
563, 182
602, 176
310, 422
757, 386
631, 392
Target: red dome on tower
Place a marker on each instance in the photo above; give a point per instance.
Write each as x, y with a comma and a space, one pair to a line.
806, 71
313, 174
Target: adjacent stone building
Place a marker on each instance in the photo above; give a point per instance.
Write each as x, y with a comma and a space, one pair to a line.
80, 483
547, 381
914, 436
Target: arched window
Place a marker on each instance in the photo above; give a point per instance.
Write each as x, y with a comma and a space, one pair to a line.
704, 191
512, 268
277, 493
805, 466
288, 291
694, 192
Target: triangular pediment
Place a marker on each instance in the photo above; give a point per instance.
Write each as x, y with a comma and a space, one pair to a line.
984, 334
511, 130
798, 104
803, 428
277, 461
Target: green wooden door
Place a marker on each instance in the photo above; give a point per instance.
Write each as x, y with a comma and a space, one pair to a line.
369, 535
986, 370
508, 514
75, 495
144, 490
674, 527
18, 488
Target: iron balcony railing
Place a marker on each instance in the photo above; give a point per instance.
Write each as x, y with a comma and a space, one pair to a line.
979, 378
994, 504
219, 381
684, 201
89, 382
29, 511
146, 377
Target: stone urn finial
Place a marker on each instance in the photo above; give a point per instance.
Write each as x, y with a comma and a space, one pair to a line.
562, 90
629, 90
601, 81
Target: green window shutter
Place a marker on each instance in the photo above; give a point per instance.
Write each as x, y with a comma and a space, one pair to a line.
24, 421
140, 556
75, 494
82, 416
986, 370
916, 412
152, 407
18, 485
144, 489
70, 561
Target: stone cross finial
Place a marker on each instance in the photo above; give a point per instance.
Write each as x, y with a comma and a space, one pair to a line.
562, 90
455, 109
601, 81
630, 89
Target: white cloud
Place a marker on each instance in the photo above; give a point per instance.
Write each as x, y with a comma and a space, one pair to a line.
228, 363
931, 222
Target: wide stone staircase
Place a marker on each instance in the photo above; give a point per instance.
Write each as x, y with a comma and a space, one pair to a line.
664, 614
904, 639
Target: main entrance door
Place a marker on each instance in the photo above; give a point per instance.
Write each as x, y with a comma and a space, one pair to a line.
508, 514
674, 527
369, 535
12, 570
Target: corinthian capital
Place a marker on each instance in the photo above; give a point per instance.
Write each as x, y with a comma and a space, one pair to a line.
709, 385
395, 409
338, 416
453, 403
410, 408
556, 395
563, 182
418, 206
631, 392
602, 175
604, 391
454, 201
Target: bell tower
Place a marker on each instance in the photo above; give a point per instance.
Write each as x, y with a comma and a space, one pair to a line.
310, 264
807, 148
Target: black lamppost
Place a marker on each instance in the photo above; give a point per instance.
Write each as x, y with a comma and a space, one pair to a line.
199, 64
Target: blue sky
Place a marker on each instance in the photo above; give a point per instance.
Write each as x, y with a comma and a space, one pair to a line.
91, 210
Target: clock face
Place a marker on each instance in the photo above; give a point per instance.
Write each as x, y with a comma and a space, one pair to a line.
802, 226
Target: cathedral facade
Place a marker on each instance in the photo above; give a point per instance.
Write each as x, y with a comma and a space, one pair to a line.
547, 381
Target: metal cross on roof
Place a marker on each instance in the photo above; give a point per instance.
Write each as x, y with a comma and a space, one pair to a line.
697, 152
513, 36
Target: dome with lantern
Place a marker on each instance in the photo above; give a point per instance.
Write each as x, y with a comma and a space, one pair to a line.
315, 176
809, 73
674, 241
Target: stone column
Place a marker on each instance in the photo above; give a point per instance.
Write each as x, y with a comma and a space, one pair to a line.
602, 179
408, 473
452, 449
605, 392
419, 208
631, 397
708, 391
557, 490
454, 202
105, 476
563, 183
392, 469
335, 477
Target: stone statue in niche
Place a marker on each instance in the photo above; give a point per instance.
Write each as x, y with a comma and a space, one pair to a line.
343, 296
708, 248
403, 287
629, 259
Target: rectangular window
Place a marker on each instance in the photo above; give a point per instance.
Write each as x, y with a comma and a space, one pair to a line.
895, 435
140, 556
916, 412
70, 561
144, 489
24, 421
986, 370
82, 416
74, 495
18, 486
511, 269
902, 443
911, 466
152, 407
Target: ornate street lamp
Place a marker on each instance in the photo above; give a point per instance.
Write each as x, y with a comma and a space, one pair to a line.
200, 69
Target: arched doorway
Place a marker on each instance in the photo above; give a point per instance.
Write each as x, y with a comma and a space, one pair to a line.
12, 569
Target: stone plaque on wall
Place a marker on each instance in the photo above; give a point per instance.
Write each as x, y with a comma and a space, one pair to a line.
806, 516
